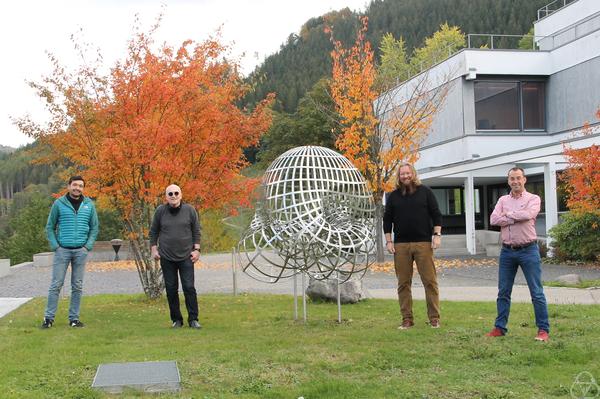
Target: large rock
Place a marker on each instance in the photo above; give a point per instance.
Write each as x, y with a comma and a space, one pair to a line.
570, 279
351, 291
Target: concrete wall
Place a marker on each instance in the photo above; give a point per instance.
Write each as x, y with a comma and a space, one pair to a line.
4, 267
448, 122
565, 17
572, 96
102, 252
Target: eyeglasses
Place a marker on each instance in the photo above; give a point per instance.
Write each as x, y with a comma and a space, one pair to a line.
173, 193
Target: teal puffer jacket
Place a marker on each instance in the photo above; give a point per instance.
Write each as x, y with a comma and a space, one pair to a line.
70, 229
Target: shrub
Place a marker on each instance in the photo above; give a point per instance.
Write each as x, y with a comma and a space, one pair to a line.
111, 225
27, 236
221, 232
543, 248
577, 237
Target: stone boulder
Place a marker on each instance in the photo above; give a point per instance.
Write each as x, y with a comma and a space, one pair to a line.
569, 279
352, 291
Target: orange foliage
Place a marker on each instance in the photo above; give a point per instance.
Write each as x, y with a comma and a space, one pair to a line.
353, 92
160, 117
583, 176
377, 146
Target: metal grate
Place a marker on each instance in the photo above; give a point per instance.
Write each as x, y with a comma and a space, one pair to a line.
143, 376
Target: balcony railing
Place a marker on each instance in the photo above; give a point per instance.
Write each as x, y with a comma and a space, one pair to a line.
495, 42
582, 28
552, 7
474, 40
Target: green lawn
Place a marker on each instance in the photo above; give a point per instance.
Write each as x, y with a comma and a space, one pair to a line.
250, 347
583, 284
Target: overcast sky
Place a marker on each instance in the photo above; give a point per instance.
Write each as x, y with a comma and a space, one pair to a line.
28, 29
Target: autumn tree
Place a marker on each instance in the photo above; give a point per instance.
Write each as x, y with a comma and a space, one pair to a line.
582, 176
379, 131
162, 115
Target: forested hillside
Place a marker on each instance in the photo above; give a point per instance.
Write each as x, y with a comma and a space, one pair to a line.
305, 57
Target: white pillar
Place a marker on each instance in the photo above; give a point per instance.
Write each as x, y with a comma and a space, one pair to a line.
550, 199
470, 214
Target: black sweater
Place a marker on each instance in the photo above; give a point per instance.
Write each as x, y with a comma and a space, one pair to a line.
412, 215
176, 231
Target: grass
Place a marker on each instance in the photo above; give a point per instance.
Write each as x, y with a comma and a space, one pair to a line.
582, 284
250, 347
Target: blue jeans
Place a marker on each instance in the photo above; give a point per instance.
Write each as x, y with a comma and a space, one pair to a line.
529, 260
62, 258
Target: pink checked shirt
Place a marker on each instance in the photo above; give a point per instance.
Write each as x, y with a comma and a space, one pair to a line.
516, 217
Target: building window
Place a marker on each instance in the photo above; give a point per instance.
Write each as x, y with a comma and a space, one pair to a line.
502, 105
449, 200
533, 105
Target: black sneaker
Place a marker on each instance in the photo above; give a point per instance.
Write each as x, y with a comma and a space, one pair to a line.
195, 324
76, 323
177, 324
47, 323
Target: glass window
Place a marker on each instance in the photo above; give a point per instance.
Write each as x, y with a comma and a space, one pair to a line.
533, 105
454, 203
441, 197
449, 200
497, 105
501, 105
537, 188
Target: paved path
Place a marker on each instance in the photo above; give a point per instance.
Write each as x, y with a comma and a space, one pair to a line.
471, 283
7, 305
520, 293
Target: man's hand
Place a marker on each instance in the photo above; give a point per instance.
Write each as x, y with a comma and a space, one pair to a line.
390, 247
195, 255
155, 253
436, 241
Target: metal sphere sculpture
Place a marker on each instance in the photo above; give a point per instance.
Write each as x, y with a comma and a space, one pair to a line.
315, 216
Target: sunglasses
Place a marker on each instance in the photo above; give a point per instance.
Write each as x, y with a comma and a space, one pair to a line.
173, 193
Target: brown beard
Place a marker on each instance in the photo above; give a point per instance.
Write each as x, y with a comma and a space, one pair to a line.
408, 189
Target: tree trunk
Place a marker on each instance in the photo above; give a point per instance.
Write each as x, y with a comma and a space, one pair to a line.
379, 231
148, 269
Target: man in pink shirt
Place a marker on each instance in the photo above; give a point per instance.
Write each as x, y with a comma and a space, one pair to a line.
515, 213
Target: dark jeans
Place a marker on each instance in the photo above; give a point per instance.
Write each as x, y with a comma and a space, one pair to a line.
186, 272
529, 260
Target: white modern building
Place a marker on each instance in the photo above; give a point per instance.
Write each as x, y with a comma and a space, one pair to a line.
506, 108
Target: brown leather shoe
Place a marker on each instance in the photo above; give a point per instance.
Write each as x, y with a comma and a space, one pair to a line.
406, 324
435, 323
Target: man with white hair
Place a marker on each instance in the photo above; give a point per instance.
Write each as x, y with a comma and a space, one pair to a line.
175, 240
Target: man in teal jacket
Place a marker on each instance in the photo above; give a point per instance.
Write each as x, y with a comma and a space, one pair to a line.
71, 230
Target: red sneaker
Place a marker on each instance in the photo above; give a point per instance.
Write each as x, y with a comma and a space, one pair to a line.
496, 332
542, 336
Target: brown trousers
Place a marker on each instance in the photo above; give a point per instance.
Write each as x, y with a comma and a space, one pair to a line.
422, 254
